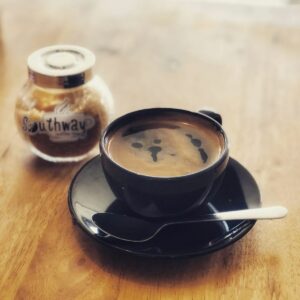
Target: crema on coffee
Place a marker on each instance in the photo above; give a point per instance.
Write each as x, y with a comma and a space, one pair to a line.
166, 146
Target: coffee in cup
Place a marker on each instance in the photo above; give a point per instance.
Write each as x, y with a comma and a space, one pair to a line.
166, 146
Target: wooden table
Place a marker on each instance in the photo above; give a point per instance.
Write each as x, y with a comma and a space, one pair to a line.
244, 61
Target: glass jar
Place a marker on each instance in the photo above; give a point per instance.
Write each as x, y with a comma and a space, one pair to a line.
63, 107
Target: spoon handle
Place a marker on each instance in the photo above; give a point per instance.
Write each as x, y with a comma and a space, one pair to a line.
263, 213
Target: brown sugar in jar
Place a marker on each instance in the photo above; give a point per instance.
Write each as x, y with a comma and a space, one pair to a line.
63, 107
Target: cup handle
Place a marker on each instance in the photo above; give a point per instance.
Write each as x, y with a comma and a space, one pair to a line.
217, 117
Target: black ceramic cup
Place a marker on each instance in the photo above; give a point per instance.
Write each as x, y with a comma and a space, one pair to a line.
152, 196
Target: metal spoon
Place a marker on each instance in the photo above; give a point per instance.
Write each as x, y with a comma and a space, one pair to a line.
131, 229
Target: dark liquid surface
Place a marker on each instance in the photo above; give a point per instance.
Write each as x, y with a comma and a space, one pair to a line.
162, 147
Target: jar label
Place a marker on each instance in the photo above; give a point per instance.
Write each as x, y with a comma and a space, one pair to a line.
61, 125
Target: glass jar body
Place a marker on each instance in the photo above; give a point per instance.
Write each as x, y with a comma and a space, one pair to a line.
63, 125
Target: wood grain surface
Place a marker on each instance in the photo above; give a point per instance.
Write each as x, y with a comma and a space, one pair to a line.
242, 60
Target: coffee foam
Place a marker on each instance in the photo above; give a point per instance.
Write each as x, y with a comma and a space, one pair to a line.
166, 146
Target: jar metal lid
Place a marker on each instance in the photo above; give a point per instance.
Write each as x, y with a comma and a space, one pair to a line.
61, 66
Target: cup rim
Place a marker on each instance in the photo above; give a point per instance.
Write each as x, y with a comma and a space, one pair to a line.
108, 128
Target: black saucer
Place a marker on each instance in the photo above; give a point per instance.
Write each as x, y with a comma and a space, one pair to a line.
89, 193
